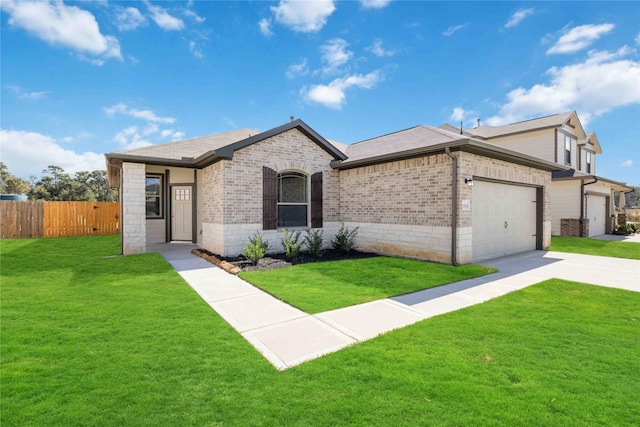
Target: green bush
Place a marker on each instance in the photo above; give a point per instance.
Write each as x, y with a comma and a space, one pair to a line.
625, 229
313, 239
345, 239
256, 248
291, 244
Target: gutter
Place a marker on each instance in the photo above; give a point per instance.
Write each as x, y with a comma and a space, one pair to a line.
454, 205
582, 196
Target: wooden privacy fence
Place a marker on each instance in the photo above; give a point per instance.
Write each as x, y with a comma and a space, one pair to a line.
58, 219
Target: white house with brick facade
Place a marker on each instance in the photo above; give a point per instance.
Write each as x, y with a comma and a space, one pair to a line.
582, 203
423, 192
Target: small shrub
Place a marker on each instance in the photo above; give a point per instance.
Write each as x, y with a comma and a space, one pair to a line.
256, 248
291, 244
625, 229
313, 239
345, 239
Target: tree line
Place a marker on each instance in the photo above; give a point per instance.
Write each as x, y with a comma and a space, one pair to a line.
57, 185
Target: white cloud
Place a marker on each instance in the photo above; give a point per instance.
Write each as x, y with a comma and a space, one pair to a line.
335, 54
457, 115
579, 38
163, 19
604, 81
22, 94
129, 18
195, 50
518, 16
637, 39
170, 133
61, 25
452, 29
147, 115
296, 70
28, 153
333, 94
377, 49
265, 27
191, 14
303, 16
374, 4
130, 138
627, 163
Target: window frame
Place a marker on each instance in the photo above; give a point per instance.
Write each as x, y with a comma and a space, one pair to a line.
160, 196
567, 150
589, 161
280, 203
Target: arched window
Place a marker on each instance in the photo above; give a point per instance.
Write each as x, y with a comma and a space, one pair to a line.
292, 199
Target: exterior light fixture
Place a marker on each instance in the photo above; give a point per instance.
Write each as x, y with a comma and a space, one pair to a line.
469, 182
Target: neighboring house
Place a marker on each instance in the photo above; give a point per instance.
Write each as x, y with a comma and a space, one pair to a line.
582, 203
423, 192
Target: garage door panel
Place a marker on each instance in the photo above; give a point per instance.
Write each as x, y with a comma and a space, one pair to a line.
504, 219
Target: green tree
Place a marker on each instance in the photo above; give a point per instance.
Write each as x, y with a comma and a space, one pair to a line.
10, 184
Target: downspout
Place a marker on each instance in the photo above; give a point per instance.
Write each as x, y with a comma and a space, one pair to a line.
582, 196
454, 205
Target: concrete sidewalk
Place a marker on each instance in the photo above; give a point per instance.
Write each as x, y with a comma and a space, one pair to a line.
287, 336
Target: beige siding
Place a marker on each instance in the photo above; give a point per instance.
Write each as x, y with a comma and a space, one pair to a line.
538, 144
155, 231
565, 203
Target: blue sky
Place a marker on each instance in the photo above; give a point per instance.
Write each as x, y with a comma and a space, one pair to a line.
80, 79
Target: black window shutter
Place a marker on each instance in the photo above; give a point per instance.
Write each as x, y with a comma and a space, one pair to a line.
316, 200
269, 199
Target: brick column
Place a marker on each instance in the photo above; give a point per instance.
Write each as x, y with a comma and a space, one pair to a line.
134, 233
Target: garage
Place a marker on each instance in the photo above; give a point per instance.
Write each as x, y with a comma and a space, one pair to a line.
597, 214
504, 219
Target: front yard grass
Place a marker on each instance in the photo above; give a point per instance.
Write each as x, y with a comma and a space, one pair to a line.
587, 246
88, 340
323, 286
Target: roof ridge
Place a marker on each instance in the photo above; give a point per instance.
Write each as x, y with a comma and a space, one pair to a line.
380, 136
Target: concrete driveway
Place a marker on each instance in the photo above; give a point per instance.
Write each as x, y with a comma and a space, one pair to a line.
287, 336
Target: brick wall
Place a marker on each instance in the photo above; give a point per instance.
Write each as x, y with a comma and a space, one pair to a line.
239, 205
571, 227
134, 210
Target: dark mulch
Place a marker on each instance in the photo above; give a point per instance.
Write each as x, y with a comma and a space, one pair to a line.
275, 261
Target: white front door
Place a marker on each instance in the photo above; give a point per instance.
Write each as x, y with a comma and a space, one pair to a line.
596, 212
504, 219
181, 210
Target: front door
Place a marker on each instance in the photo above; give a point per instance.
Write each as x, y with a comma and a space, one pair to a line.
181, 211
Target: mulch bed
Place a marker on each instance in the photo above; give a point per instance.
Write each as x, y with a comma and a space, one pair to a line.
235, 265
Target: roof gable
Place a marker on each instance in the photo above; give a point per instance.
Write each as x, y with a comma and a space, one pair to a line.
201, 152
591, 139
568, 120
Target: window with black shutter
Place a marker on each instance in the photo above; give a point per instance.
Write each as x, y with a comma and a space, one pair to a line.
269, 199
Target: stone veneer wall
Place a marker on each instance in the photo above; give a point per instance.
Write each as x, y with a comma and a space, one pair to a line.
571, 227
239, 206
134, 235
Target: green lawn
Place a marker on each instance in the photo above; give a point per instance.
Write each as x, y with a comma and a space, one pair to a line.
99, 341
583, 245
323, 286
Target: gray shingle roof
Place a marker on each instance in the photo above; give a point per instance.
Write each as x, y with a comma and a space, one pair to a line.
527, 125
194, 147
402, 141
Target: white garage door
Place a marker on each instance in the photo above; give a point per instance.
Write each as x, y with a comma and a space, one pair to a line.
504, 219
596, 212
